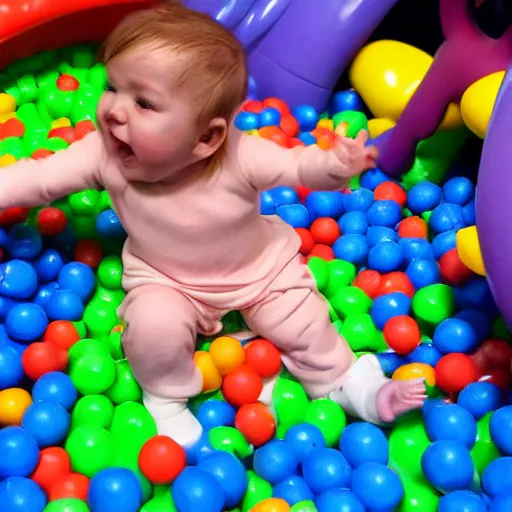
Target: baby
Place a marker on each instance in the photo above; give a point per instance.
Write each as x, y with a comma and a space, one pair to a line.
185, 184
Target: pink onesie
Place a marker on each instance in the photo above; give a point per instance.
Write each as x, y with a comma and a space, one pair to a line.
201, 248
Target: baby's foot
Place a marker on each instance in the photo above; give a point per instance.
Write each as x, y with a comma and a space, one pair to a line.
397, 397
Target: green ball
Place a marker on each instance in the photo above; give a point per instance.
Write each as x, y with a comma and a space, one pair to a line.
90, 449
290, 403
304, 506
419, 496
85, 203
100, 318
132, 426
230, 440
484, 450
67, 505
93, 410
83, 226
341, 274
110, 272
125, 387
359, 331
257, 491
160, 503
87, 346
350, 301
93, 373
115, 344
318, 268
58, 103
329, 417
434, 303
354, 120
55, 144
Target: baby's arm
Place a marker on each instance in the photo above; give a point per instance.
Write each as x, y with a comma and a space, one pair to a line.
31, 183
268, 165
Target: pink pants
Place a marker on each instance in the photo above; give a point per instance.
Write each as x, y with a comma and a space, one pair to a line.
163, 322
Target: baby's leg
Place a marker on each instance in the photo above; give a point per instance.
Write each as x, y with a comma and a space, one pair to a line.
159, 342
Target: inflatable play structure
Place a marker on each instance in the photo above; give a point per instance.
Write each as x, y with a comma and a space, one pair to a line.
413, 259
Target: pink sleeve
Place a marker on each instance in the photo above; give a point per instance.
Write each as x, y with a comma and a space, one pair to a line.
31, 183
269, 165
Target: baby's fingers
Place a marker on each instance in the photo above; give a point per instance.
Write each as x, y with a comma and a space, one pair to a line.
372, 152
362, 137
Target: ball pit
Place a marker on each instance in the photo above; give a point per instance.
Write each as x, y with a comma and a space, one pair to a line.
74, 436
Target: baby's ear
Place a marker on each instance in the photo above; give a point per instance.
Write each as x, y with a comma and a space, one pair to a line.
211, 139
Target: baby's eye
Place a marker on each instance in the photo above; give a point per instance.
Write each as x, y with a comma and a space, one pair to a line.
145, 105
110, 88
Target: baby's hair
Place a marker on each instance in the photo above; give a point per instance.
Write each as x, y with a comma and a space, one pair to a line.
216, 71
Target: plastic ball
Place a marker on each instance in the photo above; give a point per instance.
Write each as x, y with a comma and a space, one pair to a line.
216, 413
161, 460
284, 195
386, 256
256, 423
339, 500
263, 357
501, 504
196, 489
480, 398
455, 371
424, 353
501, 429
389, 362
423, 273
469, 213
413, 227
346, 100
444, 242
325, 230
11, 369
269, 117
384, 213
19, 450
388, 190
358, 200
70, 485
78, 278
353, 223
48, 265
458, 190
416, 248
352, 248
24, 242
324, 204
377, 486
40, 358
372, 178
53, 463
326, 469
227, 354
445, 217
247, 121
242, 386
369, 281
47, 422
402, 334
455, 335
388, 306
275, 461
108, 225
307, 117
296, 215
424, 196
293, 490
462, 501
114, 485
497, 477
18, 279
18, 494
55, 387
478, 321
272, 505
65, 305
13, 404
363, 442
378, 234
303, 439
26, 322
452, 269
396, 282
51, 221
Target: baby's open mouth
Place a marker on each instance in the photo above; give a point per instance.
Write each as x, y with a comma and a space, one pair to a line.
121, 149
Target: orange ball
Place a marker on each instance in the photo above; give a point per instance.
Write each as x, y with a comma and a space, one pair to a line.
61, 333
271, 505
242, 386
413, 227
263, 357
227, 354
161, 460
13, 404
325, 230
322, 251
369, 281
70, 485
307, 242
256, 423
211, 376
294, 142
402, 334
455, 371
396, 282
325, 139
388, 190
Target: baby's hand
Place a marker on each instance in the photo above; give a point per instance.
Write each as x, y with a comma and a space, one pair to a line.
353, 153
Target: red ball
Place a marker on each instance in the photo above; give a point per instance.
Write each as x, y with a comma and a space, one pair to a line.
294, 142
39, 154
263, 357
256, 423
413, 227
289, 125
402, 334
72, 485
453, 271
278, 104
388, 190
494, 354
88, 252
82, 128
242, 386
322, 251
306, 238
43, 357
13, 215
253, 106
455, 371
13, 128
51, 221
396, 282
368, 281
303, 192
67, 83
161, 460
325, 230
66, 133
500, 378
61, 333
54, 463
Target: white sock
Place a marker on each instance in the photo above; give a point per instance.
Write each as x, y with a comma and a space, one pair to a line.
358, 395
174, 419
266, 394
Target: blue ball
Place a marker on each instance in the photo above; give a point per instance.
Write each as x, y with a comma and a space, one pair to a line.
378, 234
216, 413
384, 213
267, 204
480, 398
447, 465
114, 485
461, 501
6, 305
26, 322
443, 242
386, 257
501, 429
247, 121
284, 195
363, 442
389, 362
377, 486
292, 490
64, 305
48, 265
326, 469
18, 494
458, 190
269, 117
346, 100
353, 223
423, 197
303, 439
476, 294
306, 116
372, 178
25, 242
358, 200
108, 225
78, 278
451, 422
19, 450
469, 213
339, 500
229, 473
351, 248
416, 248
387, 306
275, 461
199, 449
479, 322
47, 422
445, 217
18, 279
324, 204
195, 489
307, 138
294, 214
497, 477
11, 369
423, 273
4, 238
501, 504
424, 353
44, 293
55, 387
455, 335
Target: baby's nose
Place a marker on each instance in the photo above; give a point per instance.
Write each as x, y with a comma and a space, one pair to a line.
117, 114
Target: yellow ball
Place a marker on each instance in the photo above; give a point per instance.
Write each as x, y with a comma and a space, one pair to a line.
6, 160
7, 116
415, 371
468, 249
325, 123
379, 125
211, 376
271, 505
62, 122
227, 354
13, 404
478, 101
7, 103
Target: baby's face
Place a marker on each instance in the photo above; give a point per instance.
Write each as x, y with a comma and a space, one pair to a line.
149, 125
